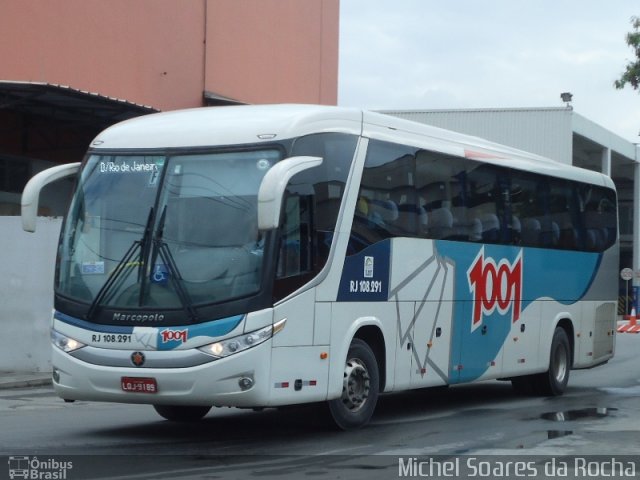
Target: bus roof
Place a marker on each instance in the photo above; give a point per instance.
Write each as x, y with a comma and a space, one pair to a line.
232, 125
251, 124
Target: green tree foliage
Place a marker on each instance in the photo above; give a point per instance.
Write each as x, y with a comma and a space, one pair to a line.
631, 74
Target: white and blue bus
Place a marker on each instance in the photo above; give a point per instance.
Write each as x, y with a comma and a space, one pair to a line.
260, 256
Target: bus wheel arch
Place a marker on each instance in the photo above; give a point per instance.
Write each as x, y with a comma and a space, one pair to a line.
372, 335
553, 381
362, 380
567, 325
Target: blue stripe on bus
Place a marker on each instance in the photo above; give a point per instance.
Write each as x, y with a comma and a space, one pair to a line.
213, 329
93, 327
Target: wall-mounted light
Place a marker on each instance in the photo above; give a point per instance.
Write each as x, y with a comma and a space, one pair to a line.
566, 97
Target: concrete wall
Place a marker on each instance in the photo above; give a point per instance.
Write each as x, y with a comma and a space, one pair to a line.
26, 293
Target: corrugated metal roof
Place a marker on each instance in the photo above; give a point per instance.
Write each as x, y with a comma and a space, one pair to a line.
546, 131
478, 110
66, 103
543, 131
591, 130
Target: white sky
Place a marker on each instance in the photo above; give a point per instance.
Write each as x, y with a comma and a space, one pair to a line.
434, 54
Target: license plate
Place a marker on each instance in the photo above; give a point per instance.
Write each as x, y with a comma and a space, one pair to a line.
139, 384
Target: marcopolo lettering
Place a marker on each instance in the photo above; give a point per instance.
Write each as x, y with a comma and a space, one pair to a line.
141, 317
495, 286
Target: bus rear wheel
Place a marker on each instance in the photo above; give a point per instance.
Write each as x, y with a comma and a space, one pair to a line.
182, 413
360, 388
554, 381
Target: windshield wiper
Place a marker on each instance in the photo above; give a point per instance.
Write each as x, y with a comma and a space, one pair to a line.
162, 249
124, 265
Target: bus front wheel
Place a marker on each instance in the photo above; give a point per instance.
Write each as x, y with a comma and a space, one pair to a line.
360, 388
181, 413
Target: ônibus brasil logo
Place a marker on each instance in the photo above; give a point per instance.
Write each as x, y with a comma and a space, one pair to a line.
495, 286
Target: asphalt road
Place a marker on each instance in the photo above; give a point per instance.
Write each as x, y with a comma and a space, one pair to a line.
598, 415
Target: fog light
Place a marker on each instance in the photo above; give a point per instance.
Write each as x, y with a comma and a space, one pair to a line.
245, 383
55, 375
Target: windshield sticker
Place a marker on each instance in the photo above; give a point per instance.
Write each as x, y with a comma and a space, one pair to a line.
263, 164
153, 179
92, 268
160, 274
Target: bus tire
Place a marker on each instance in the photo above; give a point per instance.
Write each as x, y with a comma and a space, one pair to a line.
182, 413
554, 381
360, 388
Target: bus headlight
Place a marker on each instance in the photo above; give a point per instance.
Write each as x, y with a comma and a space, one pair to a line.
64, 343
229, 346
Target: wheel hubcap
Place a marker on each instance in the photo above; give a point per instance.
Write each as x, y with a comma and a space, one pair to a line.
560, 364
356, 384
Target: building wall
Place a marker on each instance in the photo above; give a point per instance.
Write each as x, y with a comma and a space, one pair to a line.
165, 53
286, 50
145, 51
26, 295
546, 131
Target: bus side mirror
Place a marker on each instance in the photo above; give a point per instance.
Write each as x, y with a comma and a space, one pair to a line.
31, 193
273, 186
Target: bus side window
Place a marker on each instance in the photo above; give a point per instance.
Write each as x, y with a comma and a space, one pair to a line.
294, 257
295, 265
387, 204
600, 220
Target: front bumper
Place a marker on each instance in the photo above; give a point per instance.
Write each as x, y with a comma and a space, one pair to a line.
220, 383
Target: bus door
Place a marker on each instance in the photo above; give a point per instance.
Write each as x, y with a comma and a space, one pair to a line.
422, 289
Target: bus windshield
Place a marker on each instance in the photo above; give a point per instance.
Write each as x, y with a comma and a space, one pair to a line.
164, 231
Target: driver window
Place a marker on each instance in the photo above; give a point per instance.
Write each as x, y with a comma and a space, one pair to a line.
294, 257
